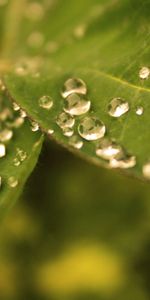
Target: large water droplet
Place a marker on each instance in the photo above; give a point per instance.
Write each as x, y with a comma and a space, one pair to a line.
6, 135
76, 105
108, 149
146, 170
123, 161
144, 73
12, 182
76, 142
118, 107
46, 102
65, 121
73, 85
91, 129
2, 150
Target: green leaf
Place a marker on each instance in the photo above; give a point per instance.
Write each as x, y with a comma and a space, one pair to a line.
105, 43
22, 151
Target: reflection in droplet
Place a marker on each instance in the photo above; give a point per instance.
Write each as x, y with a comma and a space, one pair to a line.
118, 107
46, 102
91, 129
76, 142
77, 105
108, 149
123, 161
6, 135
73, 85
65, 121
146, 170
12, 182
144, 73
2, 150
139, 110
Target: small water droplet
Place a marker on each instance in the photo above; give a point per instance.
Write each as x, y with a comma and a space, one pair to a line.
6, 135
73, 85
146, 170
118, 107
108, 149
76, 105
144, 73
46, 102
36, 40
16, 107
123, 161
91, 129
22, 155
12, 182
76, 142
23, 114
34, 11
65, 121
2, 150
68, 132
50, 131
16, 162
139, 110
34, 126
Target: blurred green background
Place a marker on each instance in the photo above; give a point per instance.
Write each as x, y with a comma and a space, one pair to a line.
78, 232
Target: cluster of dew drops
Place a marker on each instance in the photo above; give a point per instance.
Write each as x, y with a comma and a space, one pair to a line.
90, 128
11, 119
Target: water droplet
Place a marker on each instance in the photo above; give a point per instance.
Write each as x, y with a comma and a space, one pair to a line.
65, 121
6, 135
139, 110
118, 107
76, 142
68, 132
79, 31
108, 149
16, 162
16, 107
23, 114
73, 85
144, 73
123, 161
36, 40
146, 170
22, 155
2, 150
50, 131
12, 182
76, 105
34, 11
91, 129
46, 102
34, 126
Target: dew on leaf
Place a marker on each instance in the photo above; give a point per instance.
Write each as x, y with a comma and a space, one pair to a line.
2, 150
65, 121
34, 126
73, 85
76, 105
46, 102
91, 128
146, 170
50, 131
144, 73
123, 161
139, 110
118, 107
108, 149
68, 132
23, 114
12, 182
16, 107
16, 162
76, 142
6, 135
